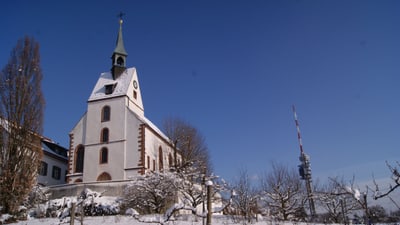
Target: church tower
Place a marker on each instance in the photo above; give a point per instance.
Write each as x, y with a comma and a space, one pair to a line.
114, 141
119, 55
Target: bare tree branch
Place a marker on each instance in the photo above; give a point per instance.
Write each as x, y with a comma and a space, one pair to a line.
395, 176
190, 143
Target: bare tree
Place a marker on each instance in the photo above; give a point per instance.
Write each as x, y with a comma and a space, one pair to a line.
21, 115
192, 191
245, 198
337, 203
190, 143
191, 187
283, 192
151, 193
360, 198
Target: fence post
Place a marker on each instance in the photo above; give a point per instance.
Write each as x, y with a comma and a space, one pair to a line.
209, 203
72, 212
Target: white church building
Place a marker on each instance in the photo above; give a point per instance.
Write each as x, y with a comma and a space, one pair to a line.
113, 140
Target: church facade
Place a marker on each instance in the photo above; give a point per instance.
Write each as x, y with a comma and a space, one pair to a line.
113, 140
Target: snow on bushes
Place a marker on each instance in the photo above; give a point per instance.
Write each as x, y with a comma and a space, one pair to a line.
89, 202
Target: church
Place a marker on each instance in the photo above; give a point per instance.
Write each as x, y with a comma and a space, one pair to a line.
113, 140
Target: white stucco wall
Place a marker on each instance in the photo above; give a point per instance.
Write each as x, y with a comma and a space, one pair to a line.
48, 180
153, 143
116, 144
132, 151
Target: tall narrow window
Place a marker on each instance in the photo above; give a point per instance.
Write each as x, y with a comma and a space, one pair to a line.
43, 169
148, 162
170, 160
103, 155
160, 159
80, 155
105, 113
104, 135
56, 173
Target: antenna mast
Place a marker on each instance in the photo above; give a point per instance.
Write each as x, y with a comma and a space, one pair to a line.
305, 167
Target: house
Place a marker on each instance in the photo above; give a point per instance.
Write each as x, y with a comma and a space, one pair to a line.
113, 140
54, 161
54, 164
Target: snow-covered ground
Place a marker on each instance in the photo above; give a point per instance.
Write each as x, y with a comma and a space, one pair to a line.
110, 205
127, 220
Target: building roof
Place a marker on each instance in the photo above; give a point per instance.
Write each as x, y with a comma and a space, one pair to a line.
54, 149
120, 85
152, 126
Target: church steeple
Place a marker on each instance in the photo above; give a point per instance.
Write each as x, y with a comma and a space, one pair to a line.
119, 55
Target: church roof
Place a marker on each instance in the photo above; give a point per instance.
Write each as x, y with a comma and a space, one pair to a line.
152, 126
119, 86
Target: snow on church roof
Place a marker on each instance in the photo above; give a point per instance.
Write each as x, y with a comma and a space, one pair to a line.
152, 126
155, 128
121, 88
121, 85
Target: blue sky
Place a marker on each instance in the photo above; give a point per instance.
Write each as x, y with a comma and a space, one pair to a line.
233, 69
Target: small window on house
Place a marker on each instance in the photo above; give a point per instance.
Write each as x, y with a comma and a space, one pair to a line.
103, 155
154, 165
104, 135
109, 88
43, 169
105, 113
134, 94
148, 162
56, 173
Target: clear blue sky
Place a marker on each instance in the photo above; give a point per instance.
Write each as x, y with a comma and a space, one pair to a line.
233, 69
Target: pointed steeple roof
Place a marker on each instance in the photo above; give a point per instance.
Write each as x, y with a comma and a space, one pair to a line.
120, 49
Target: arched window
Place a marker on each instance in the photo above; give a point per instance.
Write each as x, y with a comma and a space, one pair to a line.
160, 159
103, 155
104, 176
79, 180
120, 61
104, 135
105, 113
79, 157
